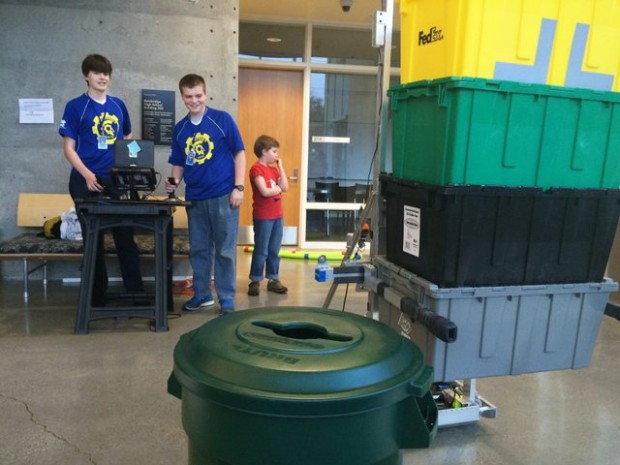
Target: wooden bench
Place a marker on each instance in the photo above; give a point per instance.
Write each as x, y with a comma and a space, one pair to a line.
33, 209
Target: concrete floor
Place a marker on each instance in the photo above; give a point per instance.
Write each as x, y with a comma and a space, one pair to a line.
101, 398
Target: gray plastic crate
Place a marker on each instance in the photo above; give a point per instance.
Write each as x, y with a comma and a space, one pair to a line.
502, 330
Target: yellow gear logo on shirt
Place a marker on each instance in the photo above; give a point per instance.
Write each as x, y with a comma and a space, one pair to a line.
202, 146
106, 125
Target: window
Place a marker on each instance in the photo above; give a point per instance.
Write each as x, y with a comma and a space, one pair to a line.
395, 50
342, 127
259, 41
343, 47
341, 147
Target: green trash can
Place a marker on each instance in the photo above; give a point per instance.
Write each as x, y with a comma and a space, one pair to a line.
310, 386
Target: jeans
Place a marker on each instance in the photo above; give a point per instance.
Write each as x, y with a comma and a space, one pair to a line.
126, 248
213, 225
267, 242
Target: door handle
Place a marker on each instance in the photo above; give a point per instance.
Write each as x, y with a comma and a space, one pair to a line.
295, 176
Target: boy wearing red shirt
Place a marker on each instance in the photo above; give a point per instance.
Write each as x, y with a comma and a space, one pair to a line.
268, 181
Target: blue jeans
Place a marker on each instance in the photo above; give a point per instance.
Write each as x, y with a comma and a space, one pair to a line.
126, 248
213, 225
267, 242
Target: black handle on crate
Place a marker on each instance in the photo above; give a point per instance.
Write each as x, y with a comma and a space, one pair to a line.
440, 327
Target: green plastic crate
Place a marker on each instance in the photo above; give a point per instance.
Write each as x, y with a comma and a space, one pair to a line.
479, 131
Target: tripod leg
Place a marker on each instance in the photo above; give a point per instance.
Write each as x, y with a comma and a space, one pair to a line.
356, 237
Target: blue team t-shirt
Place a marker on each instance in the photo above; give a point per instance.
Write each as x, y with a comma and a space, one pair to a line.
206, 151
88, 122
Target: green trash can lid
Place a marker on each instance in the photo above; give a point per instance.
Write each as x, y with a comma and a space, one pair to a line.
299, 360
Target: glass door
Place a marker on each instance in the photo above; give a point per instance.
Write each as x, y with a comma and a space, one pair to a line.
341, 146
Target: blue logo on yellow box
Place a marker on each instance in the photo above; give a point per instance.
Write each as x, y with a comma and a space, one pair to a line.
537, 73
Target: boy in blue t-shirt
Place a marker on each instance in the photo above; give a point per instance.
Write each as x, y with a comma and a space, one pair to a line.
208, 153
90, 125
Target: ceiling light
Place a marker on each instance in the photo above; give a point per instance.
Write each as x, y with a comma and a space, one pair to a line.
274, 39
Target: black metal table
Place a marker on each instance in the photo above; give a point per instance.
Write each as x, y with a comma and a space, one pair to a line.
155, 216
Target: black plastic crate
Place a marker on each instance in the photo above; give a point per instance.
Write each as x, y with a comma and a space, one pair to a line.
474, 235
571, 235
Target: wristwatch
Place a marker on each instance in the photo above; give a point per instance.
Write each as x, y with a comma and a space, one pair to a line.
239, 187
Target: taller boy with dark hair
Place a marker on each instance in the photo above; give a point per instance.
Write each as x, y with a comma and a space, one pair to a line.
90, 126
208, 153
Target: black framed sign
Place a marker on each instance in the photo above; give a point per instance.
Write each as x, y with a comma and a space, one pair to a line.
158, 115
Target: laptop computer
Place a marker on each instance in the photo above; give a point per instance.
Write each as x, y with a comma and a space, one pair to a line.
134, 153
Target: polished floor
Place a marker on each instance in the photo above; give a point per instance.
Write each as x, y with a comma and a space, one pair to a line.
101, 398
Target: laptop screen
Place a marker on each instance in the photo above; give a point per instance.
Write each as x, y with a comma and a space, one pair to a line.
134, 153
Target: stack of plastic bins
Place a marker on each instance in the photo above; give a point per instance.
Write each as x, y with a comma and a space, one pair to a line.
503, 183
518, 270
506, 169
488, 192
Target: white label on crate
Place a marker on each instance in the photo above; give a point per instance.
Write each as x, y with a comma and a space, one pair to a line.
405, 325
412, 218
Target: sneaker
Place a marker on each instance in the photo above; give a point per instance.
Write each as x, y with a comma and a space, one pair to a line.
254, 288
226, 306
196, 303
276, 286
